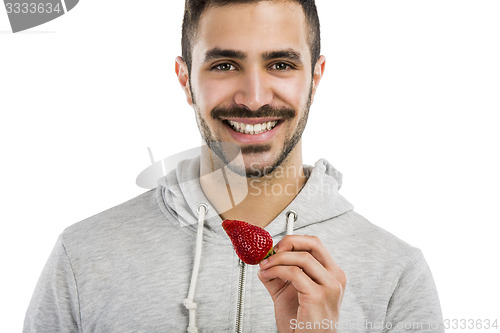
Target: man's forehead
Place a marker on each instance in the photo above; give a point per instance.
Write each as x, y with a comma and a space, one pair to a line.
256, 5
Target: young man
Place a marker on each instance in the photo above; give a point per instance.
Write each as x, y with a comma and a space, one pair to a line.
161, 262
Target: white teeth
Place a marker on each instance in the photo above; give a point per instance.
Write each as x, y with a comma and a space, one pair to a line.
252, 129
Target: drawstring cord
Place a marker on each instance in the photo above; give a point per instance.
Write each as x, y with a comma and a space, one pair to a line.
188, 302
290, 221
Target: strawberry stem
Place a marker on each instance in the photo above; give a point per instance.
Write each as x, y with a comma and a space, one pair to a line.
270, 253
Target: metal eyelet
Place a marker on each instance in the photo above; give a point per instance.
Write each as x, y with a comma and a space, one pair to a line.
202, 205
295, 215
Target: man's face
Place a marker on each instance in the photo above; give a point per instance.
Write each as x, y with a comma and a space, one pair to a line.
251, 82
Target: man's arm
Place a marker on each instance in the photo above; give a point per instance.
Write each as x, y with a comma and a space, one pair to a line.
414, 305
54, 306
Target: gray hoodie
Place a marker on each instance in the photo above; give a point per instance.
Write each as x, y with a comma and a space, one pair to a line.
129, 268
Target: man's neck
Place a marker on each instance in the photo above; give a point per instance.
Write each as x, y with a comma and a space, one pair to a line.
254, 200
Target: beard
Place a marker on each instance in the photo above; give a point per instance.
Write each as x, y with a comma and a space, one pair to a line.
228, 152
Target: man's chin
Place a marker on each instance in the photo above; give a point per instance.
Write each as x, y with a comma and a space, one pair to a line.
251, 170
254, 161
257, 172
260, 169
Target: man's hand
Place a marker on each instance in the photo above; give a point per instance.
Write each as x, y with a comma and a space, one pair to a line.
305, 284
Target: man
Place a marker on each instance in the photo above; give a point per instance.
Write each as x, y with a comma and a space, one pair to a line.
250, 69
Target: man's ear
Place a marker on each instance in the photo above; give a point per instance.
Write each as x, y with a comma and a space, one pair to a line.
319, 70
183, 76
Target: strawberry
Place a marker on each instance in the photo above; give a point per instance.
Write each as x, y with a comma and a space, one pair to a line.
251, 243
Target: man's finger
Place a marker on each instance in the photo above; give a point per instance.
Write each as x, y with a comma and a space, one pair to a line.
293, 274
304, 260
311, 244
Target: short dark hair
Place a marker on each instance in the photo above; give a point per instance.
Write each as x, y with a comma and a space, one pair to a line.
194, 9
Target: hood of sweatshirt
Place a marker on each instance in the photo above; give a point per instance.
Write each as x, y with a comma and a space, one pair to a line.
318, 200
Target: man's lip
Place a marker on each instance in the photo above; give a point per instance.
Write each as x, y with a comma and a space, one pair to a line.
252, 121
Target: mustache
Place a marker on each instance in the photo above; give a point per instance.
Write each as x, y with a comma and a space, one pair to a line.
266, 111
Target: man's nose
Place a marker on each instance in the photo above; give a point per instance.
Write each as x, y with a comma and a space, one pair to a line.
254, 90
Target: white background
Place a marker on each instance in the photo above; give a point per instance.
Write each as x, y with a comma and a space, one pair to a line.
407, 111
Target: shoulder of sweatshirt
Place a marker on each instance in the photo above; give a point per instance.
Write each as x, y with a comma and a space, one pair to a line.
359, 246
363, 234
122, 222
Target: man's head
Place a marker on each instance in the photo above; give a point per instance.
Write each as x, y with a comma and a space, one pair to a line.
248, 71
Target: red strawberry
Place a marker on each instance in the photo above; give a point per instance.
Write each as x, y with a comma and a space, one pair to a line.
251, 243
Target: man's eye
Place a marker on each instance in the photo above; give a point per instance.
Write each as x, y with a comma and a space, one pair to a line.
224, 67
281, 66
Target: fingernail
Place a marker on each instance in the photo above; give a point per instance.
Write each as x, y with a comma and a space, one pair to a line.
263, 262
275, 248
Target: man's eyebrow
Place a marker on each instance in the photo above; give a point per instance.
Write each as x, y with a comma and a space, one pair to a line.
289, 54
217, 53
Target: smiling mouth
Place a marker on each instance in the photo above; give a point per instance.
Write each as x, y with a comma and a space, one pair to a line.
252, 129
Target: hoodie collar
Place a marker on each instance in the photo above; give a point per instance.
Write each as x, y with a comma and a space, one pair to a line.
319, 199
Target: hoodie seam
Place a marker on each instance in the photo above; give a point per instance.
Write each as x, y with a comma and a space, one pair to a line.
326, 220
398, 275
80, 326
